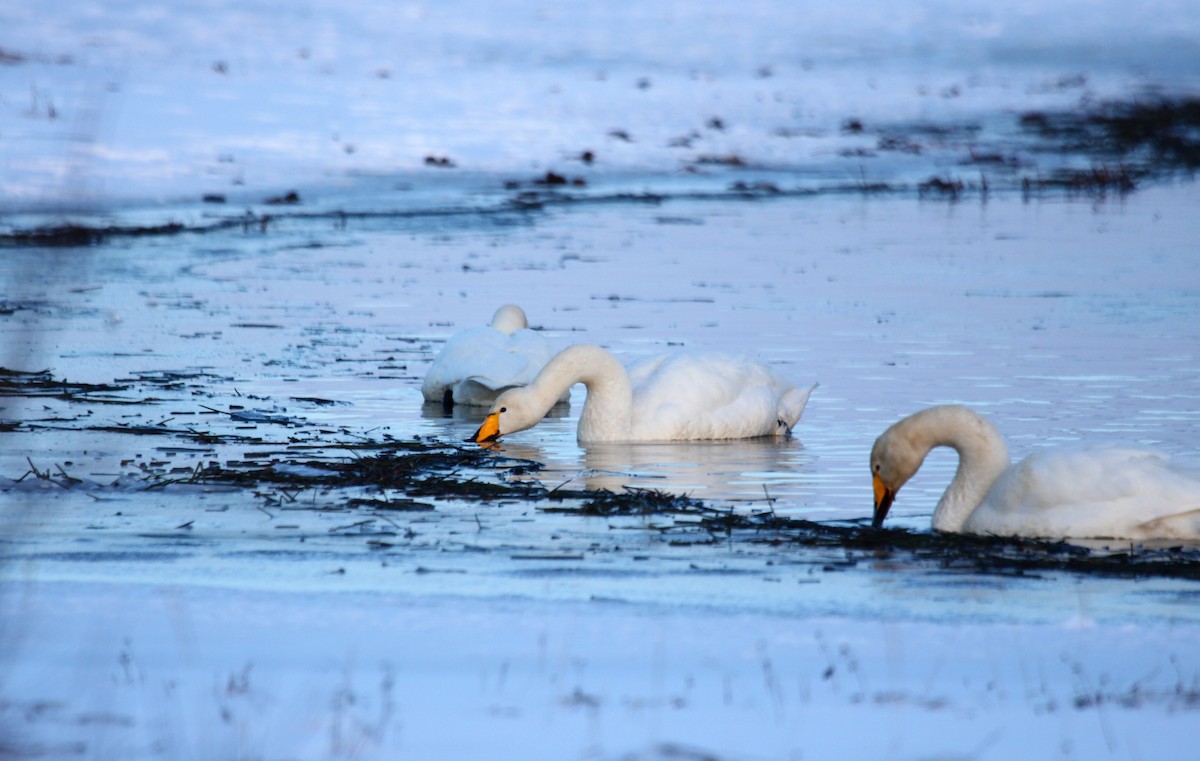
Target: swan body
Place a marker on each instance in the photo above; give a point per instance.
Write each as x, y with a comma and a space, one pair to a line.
674, 397
1063, 492
477, 364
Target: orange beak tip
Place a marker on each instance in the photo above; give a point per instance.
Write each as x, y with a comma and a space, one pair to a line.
489, 431
883, 502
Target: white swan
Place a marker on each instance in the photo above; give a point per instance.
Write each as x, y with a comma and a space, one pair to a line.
477, 364
666, 398
1074, 491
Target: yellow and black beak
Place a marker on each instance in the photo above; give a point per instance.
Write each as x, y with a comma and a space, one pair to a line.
489, 431
883, 501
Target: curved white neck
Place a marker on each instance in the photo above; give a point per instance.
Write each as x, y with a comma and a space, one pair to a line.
608, 411
982, 457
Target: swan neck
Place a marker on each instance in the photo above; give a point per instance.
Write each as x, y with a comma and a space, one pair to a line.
982, 457
608, 410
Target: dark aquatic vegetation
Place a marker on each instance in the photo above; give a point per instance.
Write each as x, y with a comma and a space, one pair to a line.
1157, 134
42, 383
950, 188
444, 471
73, 235
423, 475
287, 199
1094, 181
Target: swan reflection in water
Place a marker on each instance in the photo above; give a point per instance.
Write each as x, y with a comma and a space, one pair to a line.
744, 470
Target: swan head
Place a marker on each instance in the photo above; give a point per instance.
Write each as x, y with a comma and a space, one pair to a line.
900, 450
894, 460
509, 319
514, 410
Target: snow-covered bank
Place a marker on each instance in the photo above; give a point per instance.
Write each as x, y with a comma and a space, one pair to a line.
108, 105
140, 672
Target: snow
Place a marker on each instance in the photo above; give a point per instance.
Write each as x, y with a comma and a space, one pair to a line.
204, 673
123, 101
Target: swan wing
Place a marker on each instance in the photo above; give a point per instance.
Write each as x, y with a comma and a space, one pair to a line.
643, 371
709, 396
482, 360
1108, 492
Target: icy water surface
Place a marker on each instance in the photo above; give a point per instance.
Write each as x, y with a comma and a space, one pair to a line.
321, 334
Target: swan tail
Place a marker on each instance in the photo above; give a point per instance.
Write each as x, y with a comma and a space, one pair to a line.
791, 407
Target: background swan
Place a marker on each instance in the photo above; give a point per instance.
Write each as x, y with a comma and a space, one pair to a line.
666, 398
1074, 491
477, 364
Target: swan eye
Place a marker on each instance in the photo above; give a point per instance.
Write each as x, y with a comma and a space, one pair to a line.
876, 467
505, 409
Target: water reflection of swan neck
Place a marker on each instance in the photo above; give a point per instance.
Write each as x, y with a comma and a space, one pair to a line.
708, 468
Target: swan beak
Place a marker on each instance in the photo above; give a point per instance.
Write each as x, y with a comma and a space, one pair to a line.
489, 431
883, 502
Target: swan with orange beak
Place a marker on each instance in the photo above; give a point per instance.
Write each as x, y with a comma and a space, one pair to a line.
672, 397
1073, 491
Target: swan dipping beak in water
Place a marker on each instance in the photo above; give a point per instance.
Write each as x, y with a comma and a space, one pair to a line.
1080, 492
671, 397
490, 430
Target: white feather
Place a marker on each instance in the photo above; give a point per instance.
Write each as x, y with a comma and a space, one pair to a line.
685, 396
1064, 492
479, 363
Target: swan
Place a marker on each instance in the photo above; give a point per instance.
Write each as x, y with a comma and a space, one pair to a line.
477, 364
1062, 492
672, 397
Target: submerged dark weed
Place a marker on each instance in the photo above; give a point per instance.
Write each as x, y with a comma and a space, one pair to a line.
638, 502
42, 384
1157, 134
1098, 180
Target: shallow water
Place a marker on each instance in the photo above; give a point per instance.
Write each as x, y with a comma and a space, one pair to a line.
890, 304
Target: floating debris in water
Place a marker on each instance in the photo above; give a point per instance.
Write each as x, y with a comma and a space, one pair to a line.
287, 199
42, 383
